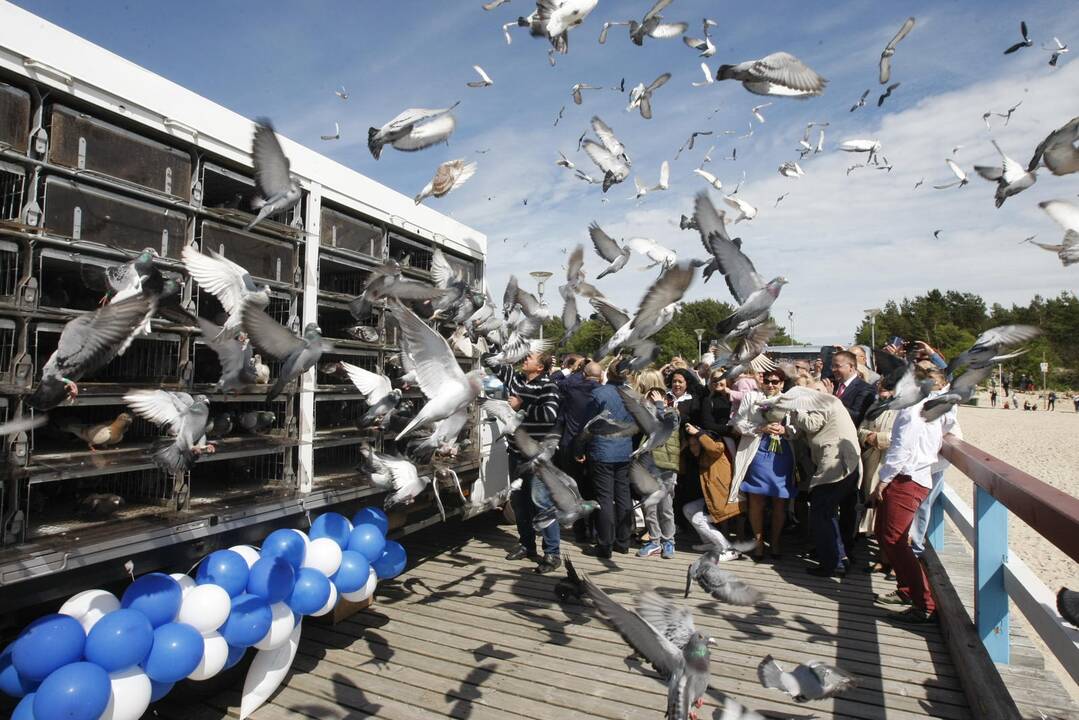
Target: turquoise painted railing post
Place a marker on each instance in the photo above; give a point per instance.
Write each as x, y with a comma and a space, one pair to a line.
990, 552
935, 532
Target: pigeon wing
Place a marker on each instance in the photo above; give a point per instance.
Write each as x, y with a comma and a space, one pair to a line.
269, 336
605, 245
219, 276
665, 31
784, 69
600, 155
160, 407
642, 637
641, 410
742, 278
562, 487
674, 622
373, 386
1006, 335
802, 399
659, 7
436, 367
615, 317
441, 270
575, 264
91, 340
271, 165
607, 136
667, 289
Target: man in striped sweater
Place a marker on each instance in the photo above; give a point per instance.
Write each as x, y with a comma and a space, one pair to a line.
533, 390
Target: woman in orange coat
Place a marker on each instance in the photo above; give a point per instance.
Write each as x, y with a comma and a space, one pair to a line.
720, 501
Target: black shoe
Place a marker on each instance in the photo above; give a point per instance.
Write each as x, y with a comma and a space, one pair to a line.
892, 598
521, 553
597, 551
549, 564
913, 616
621, 550
820, 571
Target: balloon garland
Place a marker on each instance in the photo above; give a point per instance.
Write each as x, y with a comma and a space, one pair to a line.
107, 658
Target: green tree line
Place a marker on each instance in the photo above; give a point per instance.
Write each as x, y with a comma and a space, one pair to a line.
950, 321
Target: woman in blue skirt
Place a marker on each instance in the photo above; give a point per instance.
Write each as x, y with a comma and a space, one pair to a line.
764, 465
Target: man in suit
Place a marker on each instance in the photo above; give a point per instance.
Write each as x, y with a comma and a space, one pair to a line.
856, 394
833, 443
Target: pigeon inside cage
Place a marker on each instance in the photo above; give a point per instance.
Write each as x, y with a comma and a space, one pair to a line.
93, 428
247, 420
330, 371
55, 507
410, 255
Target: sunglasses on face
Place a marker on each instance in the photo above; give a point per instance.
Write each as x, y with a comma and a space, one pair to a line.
773, 381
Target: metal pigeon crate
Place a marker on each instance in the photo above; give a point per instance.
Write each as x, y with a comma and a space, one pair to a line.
366, 359
14, 118
12, 190
413, 255
227, 194
207, 368
11, 255
71, 280
283, 426
265, 258
8, 338
343, 231
151, 360
337, 416
219, 481
342, 277
53, 441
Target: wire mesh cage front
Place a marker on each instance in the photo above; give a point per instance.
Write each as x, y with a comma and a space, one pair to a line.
236, 479
330, 372
345, 232
207, 368
409, 254
10, 267
12, 187
71, 430
337, 460
340, 277
7, 348
339, 415
232, 195
77, 281
150, 360
241, 423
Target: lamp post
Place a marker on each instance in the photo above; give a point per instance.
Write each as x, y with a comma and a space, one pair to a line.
872, 313
790, 319
700, 339
541, 277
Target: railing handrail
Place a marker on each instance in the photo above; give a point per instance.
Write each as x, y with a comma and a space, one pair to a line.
1052, 513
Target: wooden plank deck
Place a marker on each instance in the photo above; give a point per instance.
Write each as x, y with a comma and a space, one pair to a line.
464, 633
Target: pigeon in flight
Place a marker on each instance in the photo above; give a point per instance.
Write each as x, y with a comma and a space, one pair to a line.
655, 311
663, 184
721, 584
576, 91
906, 391
648, 482
236, 357
297, 354
230, 283
791, 169
780, 199
184, 416
688, 144
658, 254
960, 176
387, 281
568, 506
986, 350
1057, 51
1066, 214
815, 680
341, 93
506, 418
779, 74
657, 424
449, 176
447, 387
608, 249
859, 145
709, 78
413, 129
1011, 179
757, 111
640, 97
1058, 151
887, 93
336, 133
277, 191
1025, 42
704, 44
553, 19
710, 178
484, 81
861, 101
749, 352
745, 210
380, 396
1008, 115
608, 154
889, 51
651, 25
959, 391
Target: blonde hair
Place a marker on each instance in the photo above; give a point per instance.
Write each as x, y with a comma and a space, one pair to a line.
648, 380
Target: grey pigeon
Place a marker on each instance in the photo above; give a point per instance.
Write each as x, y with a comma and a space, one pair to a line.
257, 421
237, 358
126, 279
907, 391
222, 425
777, 74
655, 311
100, 505
747, 354
277, 191
380, 396
184, 416
986, 350
87, 343
569, 506
1058, 151
721, 584
413, 129
569, 586
297, 354
571, 317
649, 484
509, 297
387, 281
959, 391
506, 418
1011, 178
605, 425
656, 423
230, 283
889, 51
609, 154
640, 97
532, 450
665, 636
651, 25
815, 680
1025, 42
608, 249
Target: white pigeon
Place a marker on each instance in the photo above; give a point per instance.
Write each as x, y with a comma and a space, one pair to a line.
664, 181
277, 191
406, 481
640, 97
745, 210
708, 77
960, 176
712, 179
651, 25
342, 93
757, 111
1058, 151
791, 169
447, 387
575, 91
889, 50
1011, 179
336, 133
1066, 214
494, 3
1057, 49
652, 250
861, 145
450, 175
558, 17
413, 129
564, 161
704, 44
779, 74
231, 284
608, 154
484, 81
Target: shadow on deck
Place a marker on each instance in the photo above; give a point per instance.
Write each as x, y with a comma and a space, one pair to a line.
464, 633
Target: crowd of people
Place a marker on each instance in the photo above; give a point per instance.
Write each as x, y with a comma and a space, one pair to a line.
743, 478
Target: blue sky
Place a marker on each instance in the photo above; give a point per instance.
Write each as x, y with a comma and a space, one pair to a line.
845, 242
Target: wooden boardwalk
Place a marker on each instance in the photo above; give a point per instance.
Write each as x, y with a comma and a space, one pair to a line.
465, 634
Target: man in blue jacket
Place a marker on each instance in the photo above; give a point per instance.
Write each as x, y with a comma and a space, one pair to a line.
576, 404
608, 462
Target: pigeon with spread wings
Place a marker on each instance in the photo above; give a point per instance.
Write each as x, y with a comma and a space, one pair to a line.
184, 416
230, 283
1011, 178
1058, 151
1066, 214
608, 154
449, 176
889, 51
779, 74
608, 249
297, 354
413, 129
651, 25
381, 397
653, 314
277, 191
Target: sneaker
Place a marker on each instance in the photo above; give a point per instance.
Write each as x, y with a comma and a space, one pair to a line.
729, 555
892, 598
913, 616
597, 551
521, 553
650, 548
549, 564
668, 550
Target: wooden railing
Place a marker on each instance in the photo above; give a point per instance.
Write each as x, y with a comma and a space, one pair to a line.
1000, 489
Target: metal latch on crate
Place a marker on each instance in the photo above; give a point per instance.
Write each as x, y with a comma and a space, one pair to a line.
168, 180
196, 192
76, 224
165, 243
28, 292
24, 370
19, 450
32, 214
186, 370
41, 142
81, 162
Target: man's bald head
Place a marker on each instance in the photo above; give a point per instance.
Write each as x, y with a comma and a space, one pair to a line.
593, 370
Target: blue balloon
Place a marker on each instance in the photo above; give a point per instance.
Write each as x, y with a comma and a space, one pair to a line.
392, 562
236, 654
11, 682
271, 578
177, 651
331, 525
311, 592
79, 691
287, 544
25, 709
353, 573
367, 540
157, 596
226, 568
249, 620
372, 516
159, 690
120, 640
47, 644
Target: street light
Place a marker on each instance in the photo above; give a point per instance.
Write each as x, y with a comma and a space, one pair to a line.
790, 317
872, 313
700, 339
541, 277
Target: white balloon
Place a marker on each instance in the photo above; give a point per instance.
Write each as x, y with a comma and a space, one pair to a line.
215, 654
280, 627
268, 669
89, 606
324, 555
130, 697
365, 592
248, 553
331, 602
186, 582
205, 608
306, 539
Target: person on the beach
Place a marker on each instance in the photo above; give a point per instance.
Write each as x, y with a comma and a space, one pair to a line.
1051, 401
